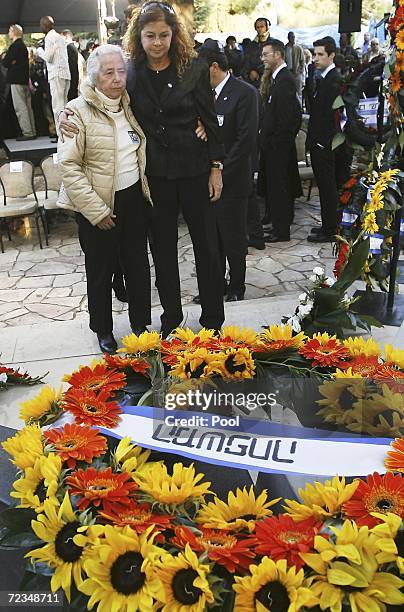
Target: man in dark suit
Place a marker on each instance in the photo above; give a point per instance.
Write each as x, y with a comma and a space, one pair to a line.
321, 131
281, 121
236, 107
73, 57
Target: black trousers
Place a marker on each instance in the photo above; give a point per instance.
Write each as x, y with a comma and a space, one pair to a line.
279, 186
104, 249
231, 219
255, 231
323, 163
192, 197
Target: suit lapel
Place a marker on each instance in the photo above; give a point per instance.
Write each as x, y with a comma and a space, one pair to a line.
142, 78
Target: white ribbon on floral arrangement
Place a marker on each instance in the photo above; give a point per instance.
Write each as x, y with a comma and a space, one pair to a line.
249, 444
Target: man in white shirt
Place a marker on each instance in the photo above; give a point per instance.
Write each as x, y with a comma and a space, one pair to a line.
57, 64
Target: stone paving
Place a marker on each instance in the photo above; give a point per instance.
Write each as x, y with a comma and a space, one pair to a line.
37, 286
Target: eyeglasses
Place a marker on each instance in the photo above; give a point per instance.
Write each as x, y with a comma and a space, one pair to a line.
151, 5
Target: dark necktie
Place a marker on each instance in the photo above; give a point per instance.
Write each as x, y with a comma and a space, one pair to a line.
214, 95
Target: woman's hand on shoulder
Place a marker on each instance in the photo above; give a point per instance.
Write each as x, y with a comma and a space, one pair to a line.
66, 127
201, 132
107, 223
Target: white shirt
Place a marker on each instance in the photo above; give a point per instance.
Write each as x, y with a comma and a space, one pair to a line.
55, 56
327, 70
277, 71
218, 88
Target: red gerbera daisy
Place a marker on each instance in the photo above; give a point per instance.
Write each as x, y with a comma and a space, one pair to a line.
395, 458
345, 197
377, 493
138, 365
98, 486
92, 409
138, 516
76, 443
101, 377
350, 183
390, 376
280, 537
324, 351
365, 366
341, 260
171, 349
222, 547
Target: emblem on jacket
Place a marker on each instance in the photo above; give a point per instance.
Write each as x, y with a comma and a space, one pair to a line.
220, 120
133, 137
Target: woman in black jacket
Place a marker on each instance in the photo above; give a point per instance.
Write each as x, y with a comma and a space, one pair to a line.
170, 91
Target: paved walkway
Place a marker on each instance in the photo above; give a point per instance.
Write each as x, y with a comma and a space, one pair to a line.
37, 286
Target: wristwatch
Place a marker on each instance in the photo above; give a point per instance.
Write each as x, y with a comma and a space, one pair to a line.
217, 164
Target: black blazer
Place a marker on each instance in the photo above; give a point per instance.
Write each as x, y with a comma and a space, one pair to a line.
322, 122
237, 114
282, 115
173, 150
16, 60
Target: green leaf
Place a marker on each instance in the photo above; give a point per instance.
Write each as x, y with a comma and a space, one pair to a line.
326, 299
20, 540
338, 140
354, 267
338, 103
17, 520
401, 139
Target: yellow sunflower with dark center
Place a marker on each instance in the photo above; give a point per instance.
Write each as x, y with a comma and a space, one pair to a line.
234, 364
241, 512
272, 586
324, 351
76, 443
38, 483
184, 585
281, 338
25, 446
44, 408
120, 571
96, 378
144, 343
394, 356
193, 364
67, 544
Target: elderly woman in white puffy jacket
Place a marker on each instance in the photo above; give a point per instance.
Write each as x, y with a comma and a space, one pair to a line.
103, 173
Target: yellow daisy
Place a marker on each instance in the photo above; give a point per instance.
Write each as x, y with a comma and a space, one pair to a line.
369, 223
361, 347
38, 483
184, 585
25, 446
120, 571
145, 342
241, 511
44, 408
272, 586
394, 356
68, 543
321, 500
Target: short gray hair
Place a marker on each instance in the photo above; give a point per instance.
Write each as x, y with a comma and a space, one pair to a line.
17, 28
94, 60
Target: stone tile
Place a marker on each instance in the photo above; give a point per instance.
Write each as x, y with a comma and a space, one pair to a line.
26, 319
16, 312
22, 266
71, 302
305, 266
302, 249
14, 295
38, 256
269, 265
285, 246
38, 295
79, 288
6, 282
65, 280
35, 281
78, 260
60, 292
50, 311
187, 269
260, 279
6, 307
68, 316
42, 269
290, 275
81, 268
252, 292
9, 256
70, 250
286, 259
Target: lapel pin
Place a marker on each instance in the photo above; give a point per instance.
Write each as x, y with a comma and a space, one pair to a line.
169, 85
224, 99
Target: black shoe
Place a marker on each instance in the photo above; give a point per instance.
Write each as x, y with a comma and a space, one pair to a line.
235, 297
197, 299
321, 237
257, 244
272, 238
316, 230
139, 329
22, 138
107, 343
266, 220
120, 294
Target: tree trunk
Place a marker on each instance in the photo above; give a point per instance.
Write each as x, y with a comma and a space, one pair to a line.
186, 9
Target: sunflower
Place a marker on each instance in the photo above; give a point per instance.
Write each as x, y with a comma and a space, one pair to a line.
369, 223
67, 544
76, 443
129, 457
272, 586
44, 408
281, 338
324, 351
234, 364
359, 347
138, 516
384, 413
321, 500
144, 343
280, 537
389, 534
340, 395
245, 336
394, 356
25, 446
347, 570
98, 486
377, 493
120, 571
182, 487
38, 483
241, 512
395, 458
93, 409
131, 364
193, 364
222, 547
184, 583
97, 378
187, 336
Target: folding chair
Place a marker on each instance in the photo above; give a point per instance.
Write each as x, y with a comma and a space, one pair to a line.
305, 170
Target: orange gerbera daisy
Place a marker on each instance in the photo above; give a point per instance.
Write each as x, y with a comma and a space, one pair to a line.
280, 537
92, 409
345, 197
95, 487
395, 82
74, 443
324, 351
100, 377
400, 61
350, 183
222, 547
138, 516
377, 493
395, 458
366, 367
123, 362
400, 39
391, 376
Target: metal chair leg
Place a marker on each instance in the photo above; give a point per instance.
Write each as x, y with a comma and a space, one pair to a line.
1, 242
45, 225
8, 230
38, 230
309, 192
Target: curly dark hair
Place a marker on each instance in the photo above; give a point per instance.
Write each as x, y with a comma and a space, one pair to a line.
182, 46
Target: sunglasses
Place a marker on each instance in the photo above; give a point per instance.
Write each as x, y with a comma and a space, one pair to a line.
152, 5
